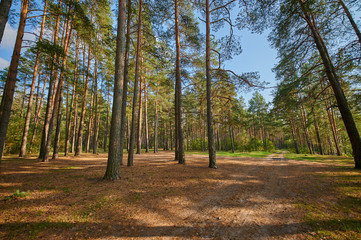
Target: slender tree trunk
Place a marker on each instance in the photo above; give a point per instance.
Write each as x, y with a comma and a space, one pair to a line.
140, 112
156, 124
211, 146
232, 139
317, 133
74, 100
38, 110
105, 140
49, 105
83, 109
23, 99
332, 76
5, 6
178, 91
95, 125
350, 18
8, 93
304, 124
137, 64
58, 104
125, 123
294, 137
146, 117
113, 164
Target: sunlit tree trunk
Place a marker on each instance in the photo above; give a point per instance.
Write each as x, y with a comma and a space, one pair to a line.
8, 93
332, 76
49, 105
124, 127
140, 112
113, 163
146, 116
137, 65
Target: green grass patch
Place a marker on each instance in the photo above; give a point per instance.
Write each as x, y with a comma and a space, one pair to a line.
17, 194
332, 159
336, 214
259, 154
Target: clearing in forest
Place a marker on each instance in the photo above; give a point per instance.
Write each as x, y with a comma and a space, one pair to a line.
245, 198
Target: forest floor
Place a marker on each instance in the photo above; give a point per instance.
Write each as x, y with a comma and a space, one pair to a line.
245, 198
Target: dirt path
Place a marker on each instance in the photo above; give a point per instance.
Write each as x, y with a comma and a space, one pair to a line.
245, 198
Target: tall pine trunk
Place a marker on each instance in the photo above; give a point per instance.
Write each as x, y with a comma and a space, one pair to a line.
49, 104
137, 65
8, 93
146, 117
178, 92
211, 146
125, 124
332, 76
5, 6
113, 164
140, 112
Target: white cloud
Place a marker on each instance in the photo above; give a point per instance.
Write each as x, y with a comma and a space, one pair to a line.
3, 63
9, 37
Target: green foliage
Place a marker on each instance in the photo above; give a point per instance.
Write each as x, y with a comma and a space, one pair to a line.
17, 194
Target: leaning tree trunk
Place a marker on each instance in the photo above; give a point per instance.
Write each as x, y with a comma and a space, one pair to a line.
8, 93
5, 6
178, 92
332, 76
137, 64
350, 18
113, 164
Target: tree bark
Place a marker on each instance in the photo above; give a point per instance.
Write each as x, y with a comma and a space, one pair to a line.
49, 105
137, 64
79, 141
332, 76
8, 93
113, 164
315, 123
146, 116
156, 124
58, 104
5, 6
178, 91
140, 112
74, 100
125, 124
352, 22
38, 110
95, 125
